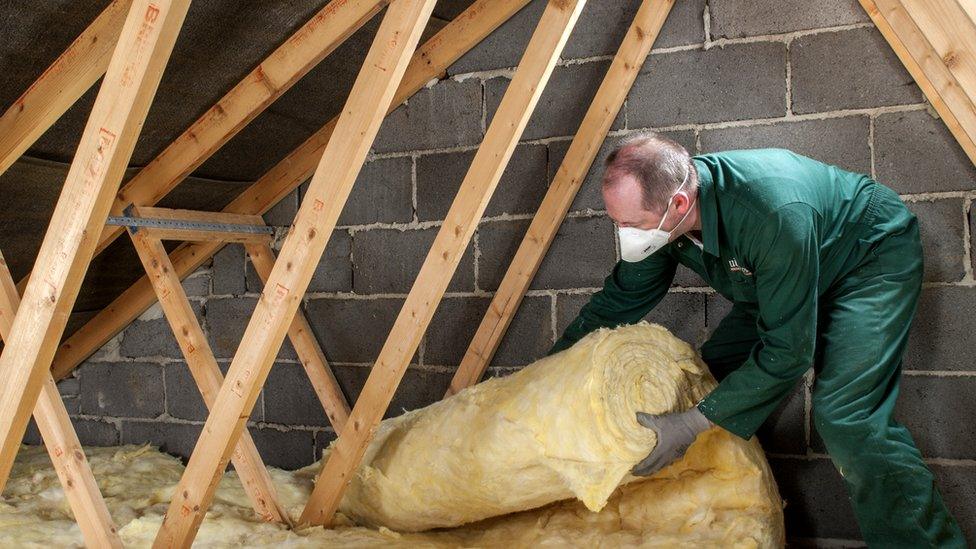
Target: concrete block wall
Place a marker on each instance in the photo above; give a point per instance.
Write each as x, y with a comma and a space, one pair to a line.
812, 76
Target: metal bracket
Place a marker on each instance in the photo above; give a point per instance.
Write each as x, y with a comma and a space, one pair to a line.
132, 223
127, 212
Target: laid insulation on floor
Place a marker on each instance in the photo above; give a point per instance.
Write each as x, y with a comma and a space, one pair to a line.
721, 494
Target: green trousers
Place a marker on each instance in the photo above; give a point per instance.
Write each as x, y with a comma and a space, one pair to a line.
863, 323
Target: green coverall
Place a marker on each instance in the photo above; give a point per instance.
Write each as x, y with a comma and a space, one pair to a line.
824, 268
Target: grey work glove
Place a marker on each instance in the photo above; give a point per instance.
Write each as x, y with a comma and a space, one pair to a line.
675, 433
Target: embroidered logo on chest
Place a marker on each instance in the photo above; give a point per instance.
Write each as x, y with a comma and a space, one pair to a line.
735, 268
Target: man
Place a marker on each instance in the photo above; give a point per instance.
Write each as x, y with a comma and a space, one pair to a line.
823, 267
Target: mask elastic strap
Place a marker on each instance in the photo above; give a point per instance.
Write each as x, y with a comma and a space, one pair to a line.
684, 216
668, 207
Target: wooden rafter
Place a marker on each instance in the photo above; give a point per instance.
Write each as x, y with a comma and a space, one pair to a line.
429, 62
309, 353
452, 239
61, 85
369, 99
938, 53
62, 442
144, 46
570, 176
204, 369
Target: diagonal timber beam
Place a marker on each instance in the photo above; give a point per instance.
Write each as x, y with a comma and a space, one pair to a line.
61, 441
369, 99
593, 130
307, 348
61, 85
913, 47
950, 33
72, 468
429, 62
203, 367
9, 299
452, 239
133, 75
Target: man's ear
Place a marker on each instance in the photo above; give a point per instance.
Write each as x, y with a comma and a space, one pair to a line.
681, 202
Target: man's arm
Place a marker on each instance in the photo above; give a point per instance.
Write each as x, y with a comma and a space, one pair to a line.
787, 275
629, 293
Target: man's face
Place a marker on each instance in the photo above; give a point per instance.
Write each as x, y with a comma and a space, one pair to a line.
625, 206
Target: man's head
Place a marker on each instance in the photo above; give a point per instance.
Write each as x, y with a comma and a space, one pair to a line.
650, 183
642, 175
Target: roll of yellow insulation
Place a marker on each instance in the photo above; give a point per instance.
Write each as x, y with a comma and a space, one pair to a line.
563, 427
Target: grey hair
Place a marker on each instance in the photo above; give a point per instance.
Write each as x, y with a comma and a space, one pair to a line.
657, 163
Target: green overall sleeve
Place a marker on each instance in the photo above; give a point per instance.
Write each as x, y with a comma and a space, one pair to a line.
629, 293
785, 252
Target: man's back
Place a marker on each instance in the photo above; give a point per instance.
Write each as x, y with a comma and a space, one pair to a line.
746, 190
763, 180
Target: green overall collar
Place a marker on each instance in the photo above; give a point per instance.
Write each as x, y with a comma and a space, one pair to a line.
708, 208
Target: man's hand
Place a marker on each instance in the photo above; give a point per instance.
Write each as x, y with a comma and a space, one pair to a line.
675, 433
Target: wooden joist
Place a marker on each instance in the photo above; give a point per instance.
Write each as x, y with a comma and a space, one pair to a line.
936, 56
452, 239
371, 96
429, 62
61, 85
62, 442
570, 176
133, 75
307, 348
203, 367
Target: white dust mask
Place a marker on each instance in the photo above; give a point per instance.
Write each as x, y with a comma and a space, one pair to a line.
637, 244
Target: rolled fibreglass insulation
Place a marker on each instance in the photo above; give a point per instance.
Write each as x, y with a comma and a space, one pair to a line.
563, 427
